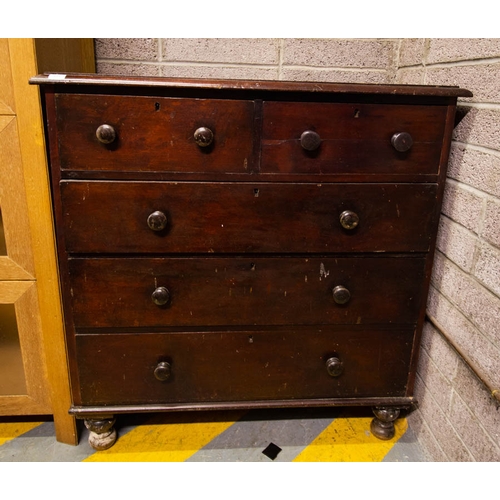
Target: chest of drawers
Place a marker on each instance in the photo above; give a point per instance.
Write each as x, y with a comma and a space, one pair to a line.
243, 244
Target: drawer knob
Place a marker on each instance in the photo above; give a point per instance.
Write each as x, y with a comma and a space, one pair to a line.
334, 366
157, 221
203, 136
105, 133
310, 140
161, 296
349, 219
341, 295
163, 371
402, 141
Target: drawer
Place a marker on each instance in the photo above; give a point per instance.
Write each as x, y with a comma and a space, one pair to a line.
197, 292
112, 217
241, 366
355, 138
153, 134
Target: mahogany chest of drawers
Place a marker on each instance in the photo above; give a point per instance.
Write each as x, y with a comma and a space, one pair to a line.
243, 244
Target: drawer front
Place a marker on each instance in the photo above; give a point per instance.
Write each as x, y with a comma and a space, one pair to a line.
355, 138
112, 217
242, 366
154, 134
116, 293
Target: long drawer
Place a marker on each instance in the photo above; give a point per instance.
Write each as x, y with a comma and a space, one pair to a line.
242, 366
116, 217
352, 138
153, 134
197, 292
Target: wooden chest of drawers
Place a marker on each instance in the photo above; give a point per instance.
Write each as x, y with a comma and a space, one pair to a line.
243, 244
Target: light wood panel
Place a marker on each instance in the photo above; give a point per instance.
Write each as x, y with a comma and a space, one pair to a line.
6, 91
28, 274
13, 201
23, 294
75, 55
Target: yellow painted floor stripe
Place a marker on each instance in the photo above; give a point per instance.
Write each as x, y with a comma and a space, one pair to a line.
349, 440
9, 431
165, 441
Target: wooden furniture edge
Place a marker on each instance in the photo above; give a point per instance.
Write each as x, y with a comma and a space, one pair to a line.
257, 85
33, 154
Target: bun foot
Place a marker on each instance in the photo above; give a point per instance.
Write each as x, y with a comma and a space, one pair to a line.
102, 433
382, 426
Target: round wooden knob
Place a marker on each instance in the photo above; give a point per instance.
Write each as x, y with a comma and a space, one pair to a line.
203, 136
341, 295
157, 221
334, 366
161, 296
349, 219
402, 141
163, 371
105, 134
310, 140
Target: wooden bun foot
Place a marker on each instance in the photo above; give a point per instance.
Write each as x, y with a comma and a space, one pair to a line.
102, 433
382, 426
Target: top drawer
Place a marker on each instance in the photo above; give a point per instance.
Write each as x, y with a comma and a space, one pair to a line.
153, 134
341, 138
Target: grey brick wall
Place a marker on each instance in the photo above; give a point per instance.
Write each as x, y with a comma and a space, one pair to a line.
457, 420
346, 60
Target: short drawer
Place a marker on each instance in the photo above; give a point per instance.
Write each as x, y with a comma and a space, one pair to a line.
351, 138
194, 217
197, 292
242, 366
153, 134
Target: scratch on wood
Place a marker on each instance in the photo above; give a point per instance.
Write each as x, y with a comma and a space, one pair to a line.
323, 273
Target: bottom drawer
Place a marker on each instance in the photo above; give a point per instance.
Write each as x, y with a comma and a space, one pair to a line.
242, 366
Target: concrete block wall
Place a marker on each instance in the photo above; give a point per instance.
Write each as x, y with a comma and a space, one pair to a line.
457, 419
343, 60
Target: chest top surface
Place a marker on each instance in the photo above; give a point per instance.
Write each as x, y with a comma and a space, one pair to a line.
86, 80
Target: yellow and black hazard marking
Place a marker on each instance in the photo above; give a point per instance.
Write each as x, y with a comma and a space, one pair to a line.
303, 435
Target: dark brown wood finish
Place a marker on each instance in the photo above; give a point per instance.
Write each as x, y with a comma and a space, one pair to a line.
353, 138
154, 134
279, 232
436, 208
230, 366
104, 217
244, 291
87, 82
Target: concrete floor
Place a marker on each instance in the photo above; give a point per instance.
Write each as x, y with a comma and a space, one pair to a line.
299, 435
